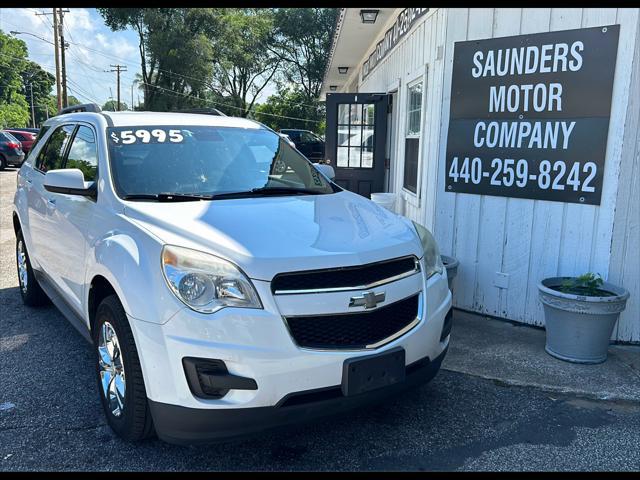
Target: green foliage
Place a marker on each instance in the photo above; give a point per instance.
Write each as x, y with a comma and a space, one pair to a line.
175, 53
110, 106
294, 104
41, 82
587, 284
14, 109
243, 64
303, 42
225, 57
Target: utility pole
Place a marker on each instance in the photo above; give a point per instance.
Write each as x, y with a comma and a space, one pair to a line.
57, 50
33, 115
59, 46
131, 96
65, 97
118, 69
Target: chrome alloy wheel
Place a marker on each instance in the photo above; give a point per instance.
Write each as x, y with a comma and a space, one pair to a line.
22, 266
111, 369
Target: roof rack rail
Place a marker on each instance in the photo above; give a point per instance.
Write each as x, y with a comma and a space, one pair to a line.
83, 107
202, 111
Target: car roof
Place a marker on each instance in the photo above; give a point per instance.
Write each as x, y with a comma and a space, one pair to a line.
126, 119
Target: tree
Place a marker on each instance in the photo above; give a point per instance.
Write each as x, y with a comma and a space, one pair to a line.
110, 106
288, 109
40, 82
14, 109
243, 64
175, 53
303, 41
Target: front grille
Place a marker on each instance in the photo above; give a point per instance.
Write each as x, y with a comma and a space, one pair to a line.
359, 276
353, 330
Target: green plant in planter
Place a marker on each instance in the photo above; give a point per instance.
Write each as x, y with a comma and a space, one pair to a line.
587, 284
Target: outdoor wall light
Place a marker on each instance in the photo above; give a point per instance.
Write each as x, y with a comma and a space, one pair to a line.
343, 70
333, 88
369, 16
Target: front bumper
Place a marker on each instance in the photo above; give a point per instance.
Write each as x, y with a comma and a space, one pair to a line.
182, 425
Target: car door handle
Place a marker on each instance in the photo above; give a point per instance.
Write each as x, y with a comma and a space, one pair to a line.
29, 181
51, 203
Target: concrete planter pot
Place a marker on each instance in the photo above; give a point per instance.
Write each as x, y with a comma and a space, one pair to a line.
579, 327
451, 264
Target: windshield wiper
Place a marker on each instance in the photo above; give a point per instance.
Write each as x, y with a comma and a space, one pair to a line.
264, 191
169, 197
190, 197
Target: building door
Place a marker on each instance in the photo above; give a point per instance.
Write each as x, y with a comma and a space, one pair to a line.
355, 140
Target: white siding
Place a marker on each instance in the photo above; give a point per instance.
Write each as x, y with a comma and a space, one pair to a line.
526, 239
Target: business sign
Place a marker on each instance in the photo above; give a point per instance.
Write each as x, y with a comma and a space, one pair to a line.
404, 21
530, 115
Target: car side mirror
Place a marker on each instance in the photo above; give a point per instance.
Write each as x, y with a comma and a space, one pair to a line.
69, 181
326, 170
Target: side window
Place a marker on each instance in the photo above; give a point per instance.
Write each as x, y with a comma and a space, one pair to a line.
41, 134
308, 137
52, 154
412, 137
83, 153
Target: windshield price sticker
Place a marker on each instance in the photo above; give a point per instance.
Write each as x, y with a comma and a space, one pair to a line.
145, 135
530, 115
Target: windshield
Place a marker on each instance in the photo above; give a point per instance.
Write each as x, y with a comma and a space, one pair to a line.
207, 160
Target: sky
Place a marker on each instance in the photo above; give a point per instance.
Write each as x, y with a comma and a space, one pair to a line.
93, 48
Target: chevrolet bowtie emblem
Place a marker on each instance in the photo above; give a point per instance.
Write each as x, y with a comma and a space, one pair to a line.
367, 299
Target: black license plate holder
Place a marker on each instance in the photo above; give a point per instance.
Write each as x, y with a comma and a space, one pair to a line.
363, 374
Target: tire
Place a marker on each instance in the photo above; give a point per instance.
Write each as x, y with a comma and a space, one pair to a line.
128, 415
3, 162
30, 290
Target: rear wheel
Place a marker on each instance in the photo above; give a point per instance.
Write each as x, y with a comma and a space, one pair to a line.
30, 290
119, 375
3, 162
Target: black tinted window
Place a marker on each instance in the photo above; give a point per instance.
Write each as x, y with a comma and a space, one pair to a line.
83, 153
52, 153
19, 136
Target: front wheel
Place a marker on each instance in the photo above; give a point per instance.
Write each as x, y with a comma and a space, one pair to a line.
122, 391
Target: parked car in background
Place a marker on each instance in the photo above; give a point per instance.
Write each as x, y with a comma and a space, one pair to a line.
27, 129
11, 153
26, 138
307, 143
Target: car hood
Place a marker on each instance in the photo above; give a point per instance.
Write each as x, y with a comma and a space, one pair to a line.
269, 235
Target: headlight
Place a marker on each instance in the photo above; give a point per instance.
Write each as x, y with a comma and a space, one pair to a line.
206, 283
432, 261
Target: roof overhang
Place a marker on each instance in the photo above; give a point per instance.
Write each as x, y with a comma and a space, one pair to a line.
351, 42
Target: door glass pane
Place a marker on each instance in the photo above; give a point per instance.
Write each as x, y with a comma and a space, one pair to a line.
369, 113
354, 156
343, 113
356, 114
367, 147
343, 157
343, 136
414, 109
83, 153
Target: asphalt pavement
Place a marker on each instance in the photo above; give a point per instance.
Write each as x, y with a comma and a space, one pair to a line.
50, 416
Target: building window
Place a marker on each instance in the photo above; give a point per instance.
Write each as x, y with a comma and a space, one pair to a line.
355, 135
412, 137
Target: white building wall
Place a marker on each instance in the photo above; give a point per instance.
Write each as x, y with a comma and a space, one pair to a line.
526, 239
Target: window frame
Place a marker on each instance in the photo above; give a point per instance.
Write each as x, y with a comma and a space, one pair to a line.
417, 78
43, 149
73, 138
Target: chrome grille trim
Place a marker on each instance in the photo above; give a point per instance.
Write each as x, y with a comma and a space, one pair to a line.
378, 283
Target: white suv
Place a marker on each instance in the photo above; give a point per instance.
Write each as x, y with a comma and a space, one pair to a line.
227, 285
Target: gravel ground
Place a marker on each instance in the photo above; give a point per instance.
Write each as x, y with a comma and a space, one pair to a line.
50, 417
